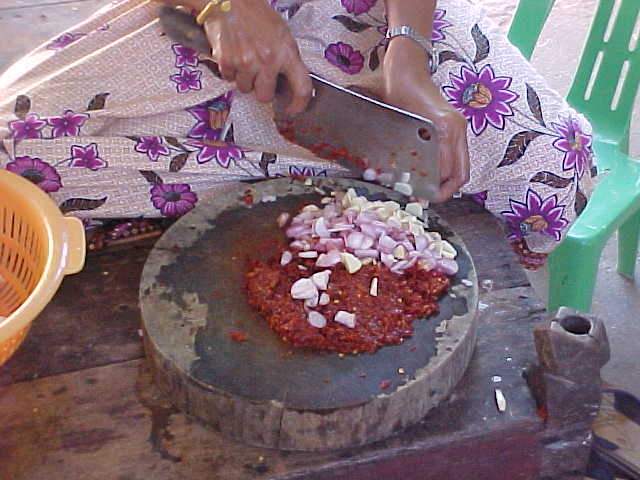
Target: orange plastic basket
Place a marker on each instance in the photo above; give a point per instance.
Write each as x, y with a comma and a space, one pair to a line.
38, 247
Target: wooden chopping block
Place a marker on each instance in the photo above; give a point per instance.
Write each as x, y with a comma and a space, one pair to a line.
262, 391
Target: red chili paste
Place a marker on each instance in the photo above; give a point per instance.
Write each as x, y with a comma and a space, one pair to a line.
381, 320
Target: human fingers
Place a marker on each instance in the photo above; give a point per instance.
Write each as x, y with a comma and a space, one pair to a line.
245, 80
265, 85
301, 87
227, 71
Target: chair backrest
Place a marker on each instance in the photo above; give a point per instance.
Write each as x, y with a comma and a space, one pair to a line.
606, 82
527, 24
607, 79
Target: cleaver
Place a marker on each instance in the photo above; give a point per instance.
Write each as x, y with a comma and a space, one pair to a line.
345, 125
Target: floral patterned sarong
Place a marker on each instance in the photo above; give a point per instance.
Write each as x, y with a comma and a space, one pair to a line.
115, 120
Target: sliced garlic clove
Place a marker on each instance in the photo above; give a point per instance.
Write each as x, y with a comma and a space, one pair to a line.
286, 257
316, 319
399, 252
324, 299
321, 279
308, 254
391, 205
311, 208
414, 208
303, 289
403, 188
373, 288
282, 219
345, 318
351, 262
448, 251
416, 229
311, 302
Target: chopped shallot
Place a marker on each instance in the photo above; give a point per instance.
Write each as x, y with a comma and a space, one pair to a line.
329, 259
352, 230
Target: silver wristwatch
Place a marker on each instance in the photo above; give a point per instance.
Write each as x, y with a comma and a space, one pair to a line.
407, 31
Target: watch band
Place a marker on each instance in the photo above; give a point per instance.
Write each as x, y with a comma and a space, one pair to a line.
407, 31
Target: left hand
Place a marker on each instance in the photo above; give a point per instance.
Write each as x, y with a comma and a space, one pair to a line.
407, 84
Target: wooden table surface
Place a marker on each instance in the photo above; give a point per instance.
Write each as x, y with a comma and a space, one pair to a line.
77, 399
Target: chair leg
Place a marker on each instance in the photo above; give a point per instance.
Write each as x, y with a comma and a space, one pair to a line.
628, 234
573, 268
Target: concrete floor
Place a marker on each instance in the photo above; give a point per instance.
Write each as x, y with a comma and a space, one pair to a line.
26, 23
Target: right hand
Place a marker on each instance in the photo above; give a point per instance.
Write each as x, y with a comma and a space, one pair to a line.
407, 84
252, 45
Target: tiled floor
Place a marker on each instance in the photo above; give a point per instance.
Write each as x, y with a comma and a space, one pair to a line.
26, 23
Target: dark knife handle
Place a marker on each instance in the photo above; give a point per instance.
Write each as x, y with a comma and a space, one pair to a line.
182, 28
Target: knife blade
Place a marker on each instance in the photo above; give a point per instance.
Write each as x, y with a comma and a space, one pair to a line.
360, 132
343, 125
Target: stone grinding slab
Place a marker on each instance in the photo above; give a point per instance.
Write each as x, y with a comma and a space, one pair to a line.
262, 391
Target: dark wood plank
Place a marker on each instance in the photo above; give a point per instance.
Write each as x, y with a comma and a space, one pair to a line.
111, 422
93, 320
485, 239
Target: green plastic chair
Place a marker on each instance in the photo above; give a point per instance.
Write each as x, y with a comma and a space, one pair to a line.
615, 203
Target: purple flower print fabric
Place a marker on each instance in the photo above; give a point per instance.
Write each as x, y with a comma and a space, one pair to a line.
117, 117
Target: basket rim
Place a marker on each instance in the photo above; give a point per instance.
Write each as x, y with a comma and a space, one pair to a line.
57, 255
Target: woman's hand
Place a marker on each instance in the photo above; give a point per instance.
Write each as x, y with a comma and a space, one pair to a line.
252, 45
408, 85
